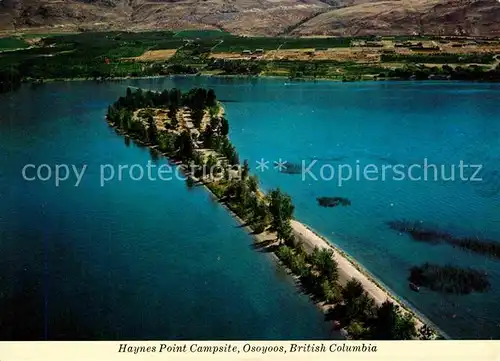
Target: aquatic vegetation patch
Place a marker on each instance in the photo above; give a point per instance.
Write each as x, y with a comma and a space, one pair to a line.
189, 128
489, 187
418, 231
333, 201
422, 233
481, 246
449, 279
12, 42
291, 168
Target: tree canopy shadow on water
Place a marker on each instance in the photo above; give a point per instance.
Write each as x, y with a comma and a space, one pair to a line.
266, 246
422, 232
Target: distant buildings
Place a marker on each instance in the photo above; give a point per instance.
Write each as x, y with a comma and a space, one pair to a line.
250, 52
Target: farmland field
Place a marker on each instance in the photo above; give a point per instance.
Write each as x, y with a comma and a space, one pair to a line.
119, 53
12, 43
201, 34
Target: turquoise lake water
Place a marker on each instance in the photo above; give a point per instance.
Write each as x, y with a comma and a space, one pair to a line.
143, 259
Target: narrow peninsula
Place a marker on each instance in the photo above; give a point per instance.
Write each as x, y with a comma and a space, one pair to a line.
191, 130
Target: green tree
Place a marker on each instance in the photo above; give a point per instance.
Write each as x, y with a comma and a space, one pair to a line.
175, 97
384, 323
325, 264
260, 214
253, 183
184, 146
356, 330
405, 327
166, 142
425, 333
152, 130
126, 120
298, 264
172, 115
285, 233
211, 165
211, 99
197, 117
224, 127
215, 123
357, 304
280, 207
112, 114
207, 136
164, 98
281, 210
189, 182
245, 170
328, 291
352, 290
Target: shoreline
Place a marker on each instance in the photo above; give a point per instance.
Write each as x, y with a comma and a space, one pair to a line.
347, 265
242, 76
222, 76
350, 268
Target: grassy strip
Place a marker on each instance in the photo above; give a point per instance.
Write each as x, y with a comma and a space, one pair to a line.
12, 43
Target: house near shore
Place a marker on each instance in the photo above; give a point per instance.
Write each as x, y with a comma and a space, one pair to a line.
439, 77
246, 52
259, 51
422, 47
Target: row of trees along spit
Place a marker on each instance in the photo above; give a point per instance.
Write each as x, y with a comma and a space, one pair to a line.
189, 127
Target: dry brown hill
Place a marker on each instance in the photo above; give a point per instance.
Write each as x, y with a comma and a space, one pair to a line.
259, 17
450, 17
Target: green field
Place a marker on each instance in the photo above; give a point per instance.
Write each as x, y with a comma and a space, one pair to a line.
317, 43
201, 34
12, 43
106, 55
238, 44
131, 44
44, 35
84, 55
439, 58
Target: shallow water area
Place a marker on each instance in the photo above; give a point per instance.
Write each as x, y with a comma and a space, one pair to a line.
156, 237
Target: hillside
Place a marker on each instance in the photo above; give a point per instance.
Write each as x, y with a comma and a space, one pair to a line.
258, 17
437, 17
